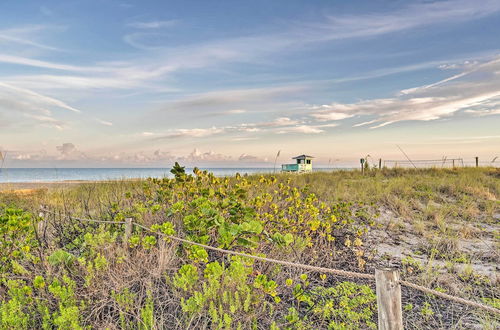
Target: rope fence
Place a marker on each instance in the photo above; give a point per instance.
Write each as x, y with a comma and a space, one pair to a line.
338, 272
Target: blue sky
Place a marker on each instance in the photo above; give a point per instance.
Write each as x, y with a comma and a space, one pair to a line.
226, 83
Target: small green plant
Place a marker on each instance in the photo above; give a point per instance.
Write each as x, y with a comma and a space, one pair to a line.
147, 314
61, 258
17, 237
68, 315
178, 171
426, 311
13, 313
408, 307
149, 242
346, 304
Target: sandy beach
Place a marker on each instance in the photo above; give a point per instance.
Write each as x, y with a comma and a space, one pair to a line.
49, 185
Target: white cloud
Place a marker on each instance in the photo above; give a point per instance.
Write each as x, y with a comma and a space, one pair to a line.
246, 158
27, 155
210, 156
282, 121
330, 112
303, 129
190, 133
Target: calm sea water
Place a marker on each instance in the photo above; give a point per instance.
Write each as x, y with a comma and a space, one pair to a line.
94, 174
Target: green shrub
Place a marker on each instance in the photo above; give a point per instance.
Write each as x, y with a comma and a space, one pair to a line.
17, 237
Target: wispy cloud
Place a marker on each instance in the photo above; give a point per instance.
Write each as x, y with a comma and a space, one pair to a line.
191, 133
25, 36
475, 91
304, 129
253, 101
11, 59
146, 70
153, 24
415, 15
330, 112
47, 121
103, 122
36, 100
37, 107
280, 125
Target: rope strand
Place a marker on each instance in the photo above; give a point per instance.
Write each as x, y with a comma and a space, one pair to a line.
276, 261
450, 297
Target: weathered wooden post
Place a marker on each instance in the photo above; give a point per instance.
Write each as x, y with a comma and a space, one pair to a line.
163, 257
128, 231
390, 314
380, 163
477, 161
362, 161
453, 163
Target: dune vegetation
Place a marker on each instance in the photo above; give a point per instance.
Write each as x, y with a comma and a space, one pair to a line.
439, 227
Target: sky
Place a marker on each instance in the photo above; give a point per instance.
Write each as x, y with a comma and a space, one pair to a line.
115, 83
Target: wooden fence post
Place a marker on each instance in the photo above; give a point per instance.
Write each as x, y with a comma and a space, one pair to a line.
128, 231
380, 163
390, 314
362, 161
477, 161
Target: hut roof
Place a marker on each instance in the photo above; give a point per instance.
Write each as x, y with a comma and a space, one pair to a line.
302, 157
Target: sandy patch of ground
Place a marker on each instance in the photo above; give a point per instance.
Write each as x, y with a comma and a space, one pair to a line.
392, 245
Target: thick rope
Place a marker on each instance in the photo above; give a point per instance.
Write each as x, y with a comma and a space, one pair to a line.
338, 272
281, 262
449, 297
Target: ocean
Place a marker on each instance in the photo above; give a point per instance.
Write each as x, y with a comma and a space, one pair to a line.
11, 175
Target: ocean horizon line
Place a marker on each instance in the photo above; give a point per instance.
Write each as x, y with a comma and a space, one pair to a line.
18, 175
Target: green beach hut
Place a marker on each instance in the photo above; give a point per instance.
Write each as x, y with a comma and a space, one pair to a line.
303, 164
